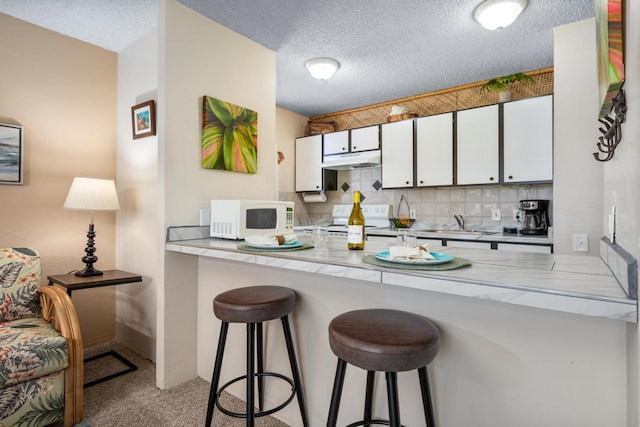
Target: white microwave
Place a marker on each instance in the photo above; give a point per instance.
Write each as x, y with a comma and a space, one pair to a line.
237, 219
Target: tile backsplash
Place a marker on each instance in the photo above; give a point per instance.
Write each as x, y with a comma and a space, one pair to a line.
434, 206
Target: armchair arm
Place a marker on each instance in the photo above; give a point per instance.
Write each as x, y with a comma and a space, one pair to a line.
58, 309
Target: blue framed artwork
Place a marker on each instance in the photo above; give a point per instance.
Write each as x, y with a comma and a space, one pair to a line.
11, 154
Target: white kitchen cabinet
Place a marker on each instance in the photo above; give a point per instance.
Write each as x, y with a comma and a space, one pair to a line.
367, 138
528, 140
309, 163
397, 154
336, 142
512, 247
468, 244
434, 150
478, 146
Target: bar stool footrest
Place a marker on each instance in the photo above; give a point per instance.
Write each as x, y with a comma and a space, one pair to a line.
370, 422
260, 413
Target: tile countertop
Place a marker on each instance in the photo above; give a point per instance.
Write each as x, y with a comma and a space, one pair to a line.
576, 284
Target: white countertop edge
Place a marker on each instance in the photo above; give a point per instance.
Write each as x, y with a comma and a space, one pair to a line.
596, 307
322, 268
212, 253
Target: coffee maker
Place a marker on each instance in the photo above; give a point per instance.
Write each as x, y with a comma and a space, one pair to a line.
534, 217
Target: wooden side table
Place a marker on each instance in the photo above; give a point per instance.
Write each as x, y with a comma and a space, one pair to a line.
71, 283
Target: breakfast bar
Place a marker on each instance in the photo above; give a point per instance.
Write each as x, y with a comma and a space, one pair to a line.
520, 331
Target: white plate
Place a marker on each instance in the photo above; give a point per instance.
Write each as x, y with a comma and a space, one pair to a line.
440, 258
292, 245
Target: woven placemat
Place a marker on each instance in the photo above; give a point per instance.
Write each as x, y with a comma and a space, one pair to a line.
451, 265
245, 247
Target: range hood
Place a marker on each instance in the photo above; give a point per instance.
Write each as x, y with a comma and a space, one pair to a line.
360, 159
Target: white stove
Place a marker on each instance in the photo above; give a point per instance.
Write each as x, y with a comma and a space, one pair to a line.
375, 217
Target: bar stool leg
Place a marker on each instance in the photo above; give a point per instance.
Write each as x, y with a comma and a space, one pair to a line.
259, 350
217, 367
294, 369
426, 397
392, 397
368, 400
250, 373
336, 394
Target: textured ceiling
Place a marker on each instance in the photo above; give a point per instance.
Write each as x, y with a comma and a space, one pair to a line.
387, 49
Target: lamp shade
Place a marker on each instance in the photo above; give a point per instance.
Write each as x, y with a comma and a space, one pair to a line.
498, 14
92, 194
322, 68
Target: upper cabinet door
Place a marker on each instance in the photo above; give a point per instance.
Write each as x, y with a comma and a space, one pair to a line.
309, 163
528, 140
434, 150
478, 146
336, 142
397, 154
364, 139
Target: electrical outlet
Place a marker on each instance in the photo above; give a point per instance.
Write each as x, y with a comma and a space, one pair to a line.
495, 214
581, 243
412, 214
515, 214
205, 216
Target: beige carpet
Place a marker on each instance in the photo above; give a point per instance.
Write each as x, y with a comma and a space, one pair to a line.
132, 400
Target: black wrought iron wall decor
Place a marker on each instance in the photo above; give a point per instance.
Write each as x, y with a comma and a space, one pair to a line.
612, 131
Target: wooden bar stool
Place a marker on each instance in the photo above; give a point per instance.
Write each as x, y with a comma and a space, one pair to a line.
254, 305
389, 341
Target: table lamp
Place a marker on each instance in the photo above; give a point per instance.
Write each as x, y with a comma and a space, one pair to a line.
91, 194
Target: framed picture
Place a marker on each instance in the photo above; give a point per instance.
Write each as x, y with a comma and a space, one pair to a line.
143, 119
609, 50
229, 136
11, 154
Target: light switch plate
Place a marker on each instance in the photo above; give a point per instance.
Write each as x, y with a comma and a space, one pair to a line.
612, 225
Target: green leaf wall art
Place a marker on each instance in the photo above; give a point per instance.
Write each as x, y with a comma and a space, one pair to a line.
229, 136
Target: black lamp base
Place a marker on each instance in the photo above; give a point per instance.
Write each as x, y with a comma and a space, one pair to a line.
89, 271
90, 258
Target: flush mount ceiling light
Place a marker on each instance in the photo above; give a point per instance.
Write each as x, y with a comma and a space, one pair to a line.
498, 14
322, 68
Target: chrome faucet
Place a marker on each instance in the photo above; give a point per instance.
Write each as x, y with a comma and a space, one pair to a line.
460, 221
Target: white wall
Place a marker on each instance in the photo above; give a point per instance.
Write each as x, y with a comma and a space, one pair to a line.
139, 234
577, 176
199, 57
621, 184
289, 126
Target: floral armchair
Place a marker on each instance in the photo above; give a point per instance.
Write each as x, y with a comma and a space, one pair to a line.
40, 347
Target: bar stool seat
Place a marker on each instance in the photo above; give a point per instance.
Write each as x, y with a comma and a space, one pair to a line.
388, 341
253, 305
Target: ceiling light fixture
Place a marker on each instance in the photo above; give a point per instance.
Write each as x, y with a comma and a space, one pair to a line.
498, 14
322, 68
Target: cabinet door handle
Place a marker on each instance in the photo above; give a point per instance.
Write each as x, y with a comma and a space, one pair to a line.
354, 147
406, 182
510, 176
490, 178
421, 182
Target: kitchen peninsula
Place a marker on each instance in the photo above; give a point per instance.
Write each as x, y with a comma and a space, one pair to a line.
520, 331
